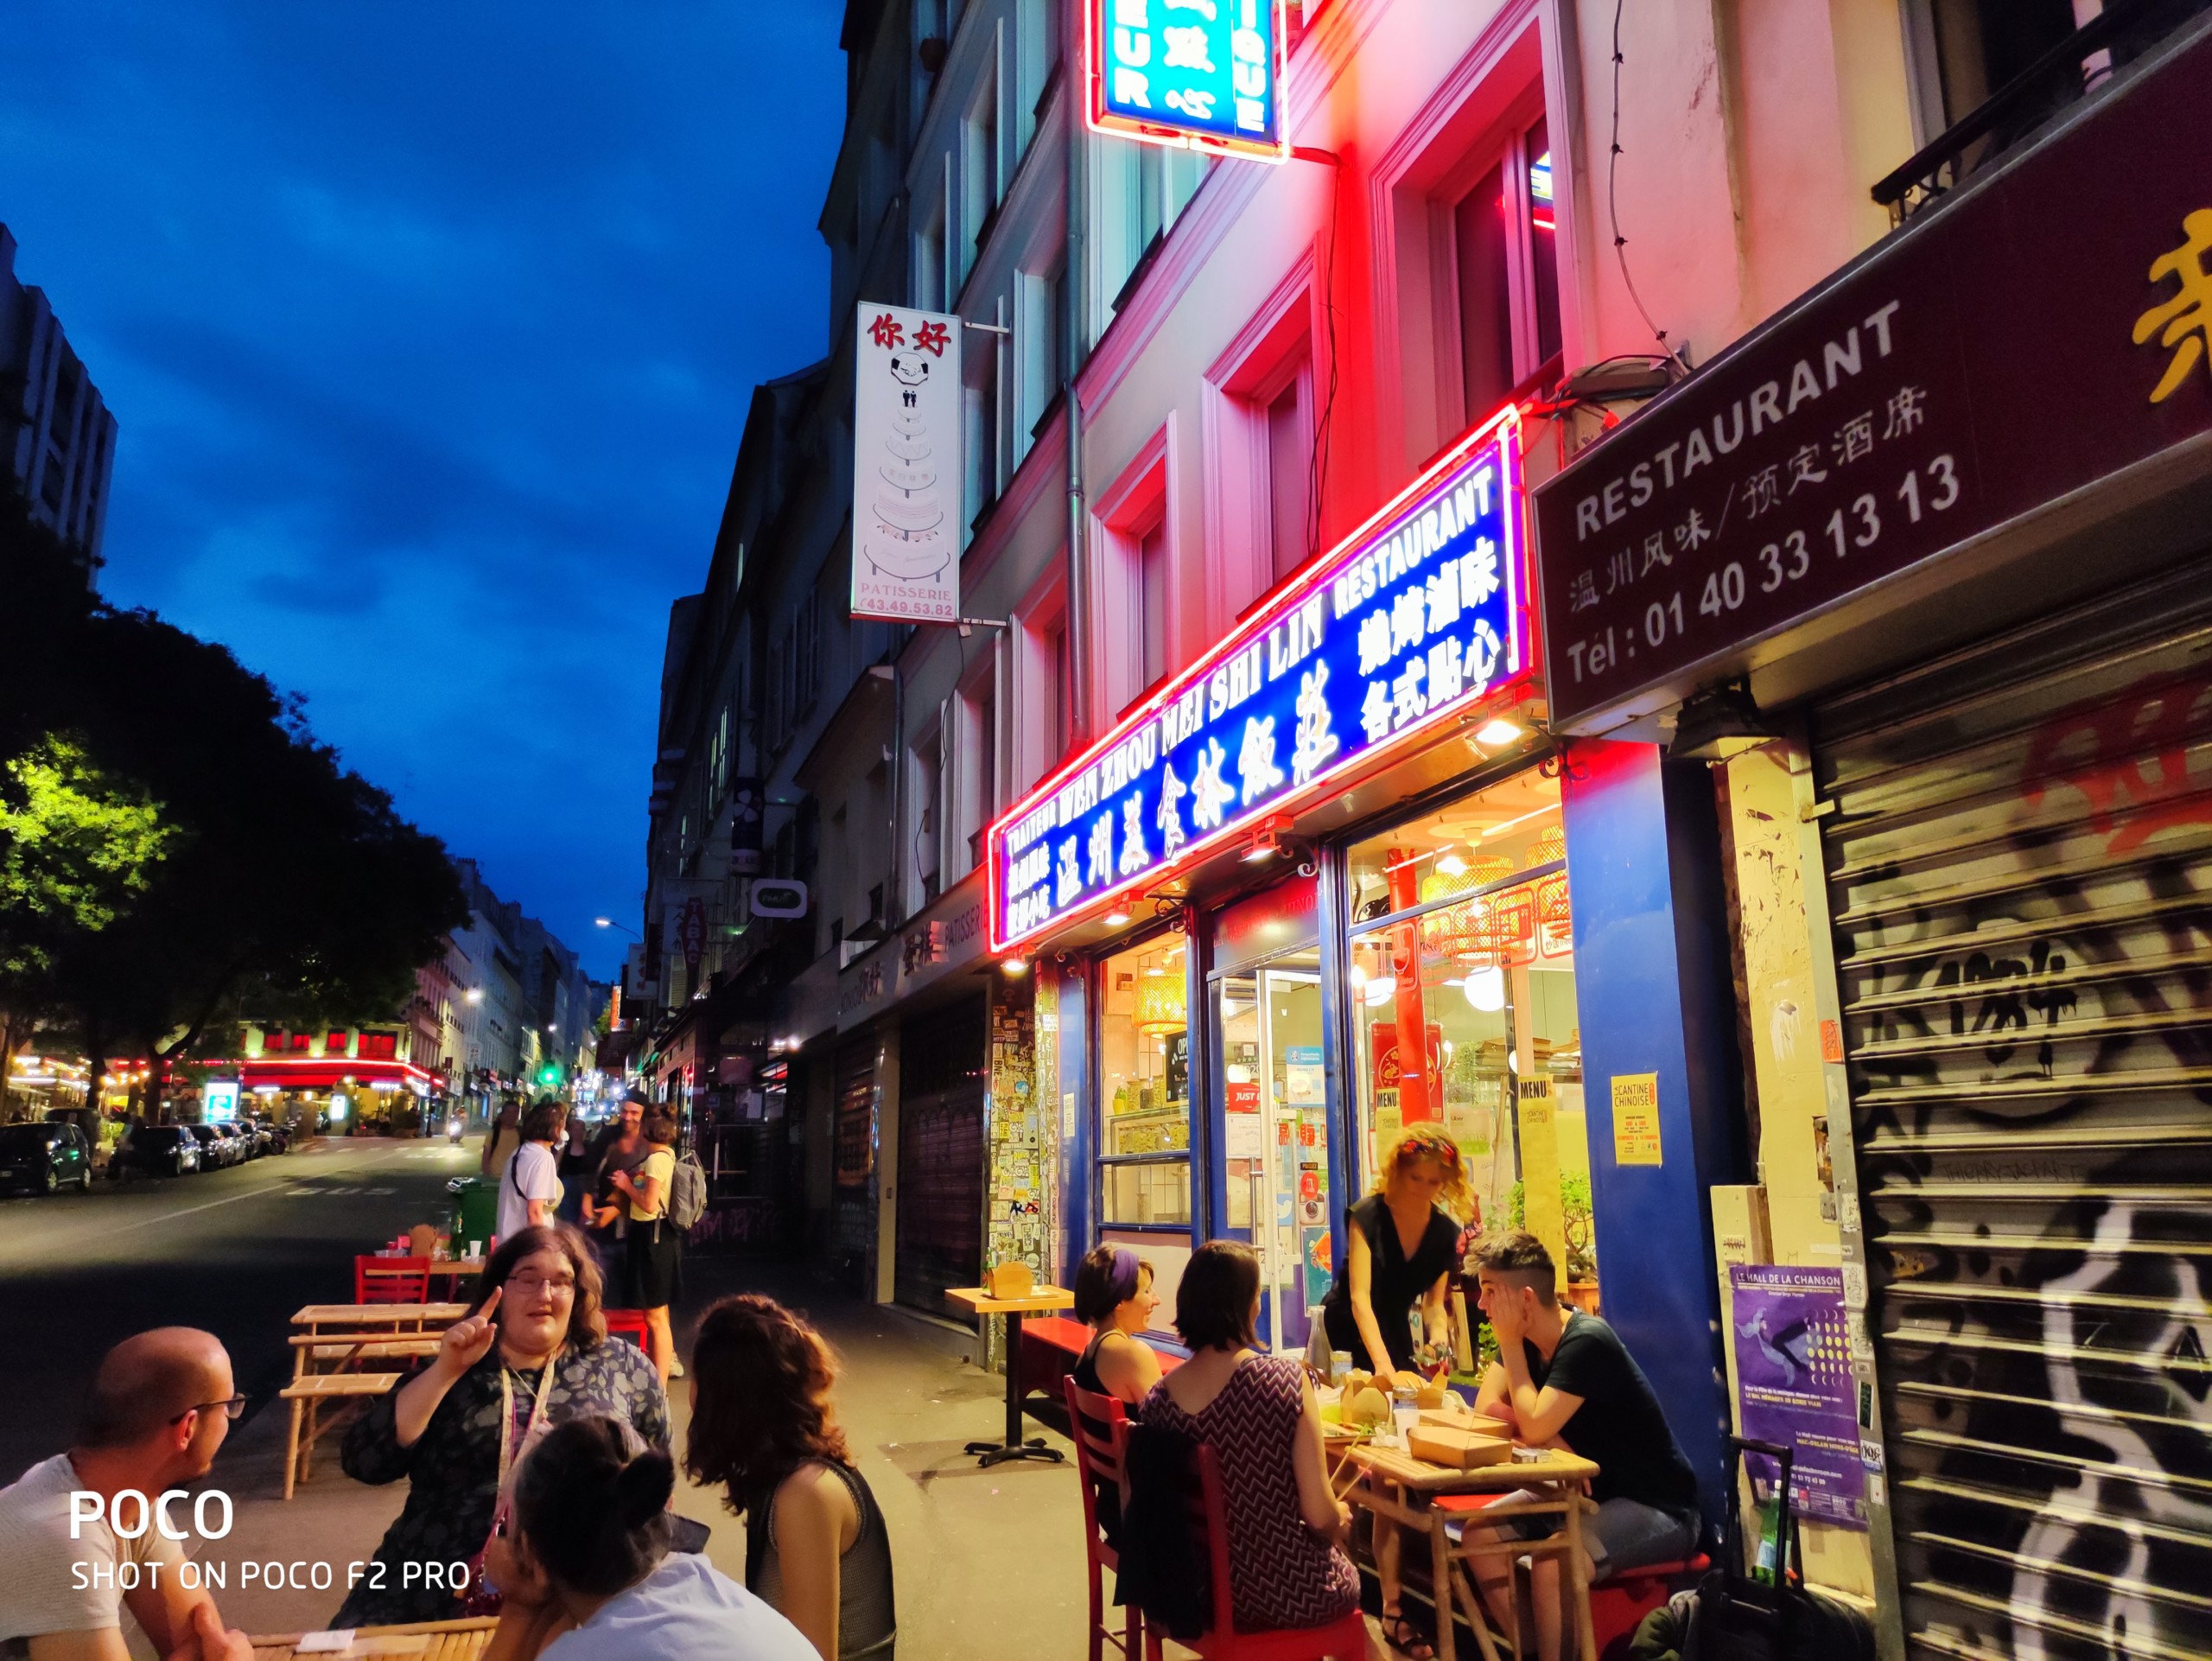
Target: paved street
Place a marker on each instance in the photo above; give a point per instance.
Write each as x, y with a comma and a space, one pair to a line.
237, 1251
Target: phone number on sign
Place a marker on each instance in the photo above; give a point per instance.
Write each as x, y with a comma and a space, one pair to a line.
1924, 491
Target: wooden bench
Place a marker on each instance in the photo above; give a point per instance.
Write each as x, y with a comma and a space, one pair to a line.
308, 1393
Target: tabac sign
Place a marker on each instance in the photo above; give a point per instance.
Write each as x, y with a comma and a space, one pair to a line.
2041, 332
1200, 74
1414, 617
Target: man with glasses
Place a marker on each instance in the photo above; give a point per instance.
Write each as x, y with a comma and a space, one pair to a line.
160, 1406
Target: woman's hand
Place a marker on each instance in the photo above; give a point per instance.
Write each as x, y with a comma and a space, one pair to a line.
467, 1342
1386, 1380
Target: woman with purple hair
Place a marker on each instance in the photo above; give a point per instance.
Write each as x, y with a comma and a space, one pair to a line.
1114, 1298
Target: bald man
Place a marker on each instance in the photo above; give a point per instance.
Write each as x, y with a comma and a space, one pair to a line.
159, 1407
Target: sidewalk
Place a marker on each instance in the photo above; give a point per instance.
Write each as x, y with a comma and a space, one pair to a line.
990, 1564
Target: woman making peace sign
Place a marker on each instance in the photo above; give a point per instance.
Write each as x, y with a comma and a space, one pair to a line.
531, 1349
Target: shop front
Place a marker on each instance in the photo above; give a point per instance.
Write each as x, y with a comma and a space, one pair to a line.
1315, 891
1952, 679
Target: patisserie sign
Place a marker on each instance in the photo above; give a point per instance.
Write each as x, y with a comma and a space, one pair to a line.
906, 472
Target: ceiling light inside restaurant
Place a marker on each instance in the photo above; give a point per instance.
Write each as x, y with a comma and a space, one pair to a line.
1380, 988
1485, 989
1452, 865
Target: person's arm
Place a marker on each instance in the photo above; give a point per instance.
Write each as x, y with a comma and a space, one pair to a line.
647, 1193
815, 1519
1359, 1280
1129, 1369
544, 1194
1538, 1415
463, 1345
1317, 1503
1435, 1312
184, 1624
1495, 1397
102, 1644
530, 1615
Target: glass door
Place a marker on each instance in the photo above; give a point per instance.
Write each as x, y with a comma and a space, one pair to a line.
1275, 1145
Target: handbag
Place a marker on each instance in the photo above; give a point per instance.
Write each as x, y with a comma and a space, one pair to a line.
483, 1598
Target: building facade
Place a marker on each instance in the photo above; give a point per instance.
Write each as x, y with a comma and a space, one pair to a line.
57, 436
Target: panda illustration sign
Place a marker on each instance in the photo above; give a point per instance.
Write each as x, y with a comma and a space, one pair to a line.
907, 479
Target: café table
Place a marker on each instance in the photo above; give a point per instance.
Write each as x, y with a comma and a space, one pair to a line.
351, 1318
1392, 1484
1040, 1300
429, 1641
455, 1267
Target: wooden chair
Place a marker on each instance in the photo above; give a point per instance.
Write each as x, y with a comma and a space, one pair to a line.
1344, 1639
391, 1280
1099, 1427
626, 1323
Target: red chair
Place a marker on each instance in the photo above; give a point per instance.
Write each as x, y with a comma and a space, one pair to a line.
1340, 1640
626, 1323
1100, 1428
391, 1280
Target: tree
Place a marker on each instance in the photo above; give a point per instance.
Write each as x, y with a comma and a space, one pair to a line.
285, 882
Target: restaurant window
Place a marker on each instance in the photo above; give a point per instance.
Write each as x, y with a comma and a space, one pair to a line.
1290, 473
1144, 1094
1153, 575
379, 1046
1508, 271
336, 1043
1464, 1010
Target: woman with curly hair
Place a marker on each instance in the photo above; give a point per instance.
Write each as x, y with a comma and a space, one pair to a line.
764, 1429
1403, 1246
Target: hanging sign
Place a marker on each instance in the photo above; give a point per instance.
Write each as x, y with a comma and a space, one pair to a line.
1415, 616
1200, 74
907, 479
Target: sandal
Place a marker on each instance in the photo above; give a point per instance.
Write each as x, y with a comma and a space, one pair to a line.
1405, 1637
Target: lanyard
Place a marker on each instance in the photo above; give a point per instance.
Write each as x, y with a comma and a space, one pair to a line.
507, 1411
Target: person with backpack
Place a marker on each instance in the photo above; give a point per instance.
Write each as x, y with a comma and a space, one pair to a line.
654, 1252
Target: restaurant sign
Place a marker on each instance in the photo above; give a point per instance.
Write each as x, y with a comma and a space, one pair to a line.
1198, 74
1415, 616
2001, 351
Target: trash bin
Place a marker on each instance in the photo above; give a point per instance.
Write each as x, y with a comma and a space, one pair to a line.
475, 1211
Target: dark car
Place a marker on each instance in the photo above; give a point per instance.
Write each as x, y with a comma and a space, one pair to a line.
244, 1137
216, 1149
48, 1156
155, 1150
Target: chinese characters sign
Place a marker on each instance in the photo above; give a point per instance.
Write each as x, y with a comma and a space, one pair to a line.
1202, 73
907, 479
1417, 614
1894, 414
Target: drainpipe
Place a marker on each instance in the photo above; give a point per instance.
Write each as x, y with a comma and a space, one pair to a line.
1078, 614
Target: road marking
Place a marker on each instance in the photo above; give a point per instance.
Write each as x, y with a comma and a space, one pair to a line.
383, 1191
105, 1230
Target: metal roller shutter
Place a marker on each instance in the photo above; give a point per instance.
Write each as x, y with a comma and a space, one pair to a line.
2018, 846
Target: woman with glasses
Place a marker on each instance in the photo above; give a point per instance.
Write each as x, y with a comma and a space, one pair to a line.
531, 1353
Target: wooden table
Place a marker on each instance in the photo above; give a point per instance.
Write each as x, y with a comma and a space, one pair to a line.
1394, 1484
456, 1267
1041, 1300
432, 1640
353, 1318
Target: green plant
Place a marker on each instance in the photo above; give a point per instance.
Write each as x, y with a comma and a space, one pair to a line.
1576, 1219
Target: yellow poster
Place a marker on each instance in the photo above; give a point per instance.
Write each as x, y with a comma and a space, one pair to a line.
1635, 1118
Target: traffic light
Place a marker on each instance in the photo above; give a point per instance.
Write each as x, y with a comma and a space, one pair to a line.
548, 1076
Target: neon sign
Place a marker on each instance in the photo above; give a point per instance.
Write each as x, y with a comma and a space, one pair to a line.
1415, 615
1200, 74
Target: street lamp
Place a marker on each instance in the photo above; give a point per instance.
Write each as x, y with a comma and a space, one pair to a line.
474, 995
608, 922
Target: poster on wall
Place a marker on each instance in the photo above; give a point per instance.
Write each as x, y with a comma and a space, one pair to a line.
1794, 1384
907, 479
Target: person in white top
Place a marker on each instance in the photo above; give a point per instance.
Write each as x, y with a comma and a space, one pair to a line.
586, 1572
530, 1192
159, 1407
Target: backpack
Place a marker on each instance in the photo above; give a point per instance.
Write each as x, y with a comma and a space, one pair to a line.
687, 1191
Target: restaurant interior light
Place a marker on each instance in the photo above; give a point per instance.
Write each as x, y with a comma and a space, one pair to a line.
1014, 968
1498, 732
1380, 988
1452, 865
1485, 989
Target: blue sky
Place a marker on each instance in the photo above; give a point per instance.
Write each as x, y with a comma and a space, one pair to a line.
429, 327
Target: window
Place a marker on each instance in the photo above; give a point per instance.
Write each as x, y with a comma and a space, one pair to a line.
975, 756
980, 170
925, 819
980, 429
1466, 1011
929, 256
1037, 49
1154, 576
1037, 333
379, 1046
1144, 1071
1142, 190
1290, 469
1506, 272
1045, 703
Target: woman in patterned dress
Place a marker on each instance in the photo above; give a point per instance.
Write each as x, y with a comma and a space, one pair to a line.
532, 1347
1286, 1565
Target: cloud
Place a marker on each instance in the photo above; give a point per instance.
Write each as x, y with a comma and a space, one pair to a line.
430, 331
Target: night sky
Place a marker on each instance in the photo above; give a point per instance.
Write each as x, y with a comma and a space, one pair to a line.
430, 327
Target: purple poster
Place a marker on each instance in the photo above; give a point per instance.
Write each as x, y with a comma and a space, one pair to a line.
1794, 1387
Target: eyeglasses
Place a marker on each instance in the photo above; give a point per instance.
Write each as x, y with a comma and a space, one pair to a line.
563, 1287
233, 1408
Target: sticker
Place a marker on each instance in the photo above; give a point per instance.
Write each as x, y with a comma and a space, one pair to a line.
1847, 1211
1067, 1114
1866, 1405
1831, 1041
1870, 1455
1854, 1286
1877, 1492
1636, 1119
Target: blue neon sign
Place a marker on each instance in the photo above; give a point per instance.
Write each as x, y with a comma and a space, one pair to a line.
1206, 74
1416, 615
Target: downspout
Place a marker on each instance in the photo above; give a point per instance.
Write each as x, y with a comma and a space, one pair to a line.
1078, 611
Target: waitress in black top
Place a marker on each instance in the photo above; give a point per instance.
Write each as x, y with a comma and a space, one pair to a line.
1403, 1248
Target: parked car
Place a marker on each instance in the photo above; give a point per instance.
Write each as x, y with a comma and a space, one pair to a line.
216, 1150
280, 1139
155, 1150
48, 1156
244, 1137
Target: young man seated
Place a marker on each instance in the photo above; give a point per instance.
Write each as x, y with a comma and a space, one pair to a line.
1564, 1378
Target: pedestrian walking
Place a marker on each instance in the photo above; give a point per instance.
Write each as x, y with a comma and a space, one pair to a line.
505, 1137
654, 1252
531, 1353
160, 1405
531, 1187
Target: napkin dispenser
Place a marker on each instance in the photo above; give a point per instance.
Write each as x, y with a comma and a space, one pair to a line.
1009, 1280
